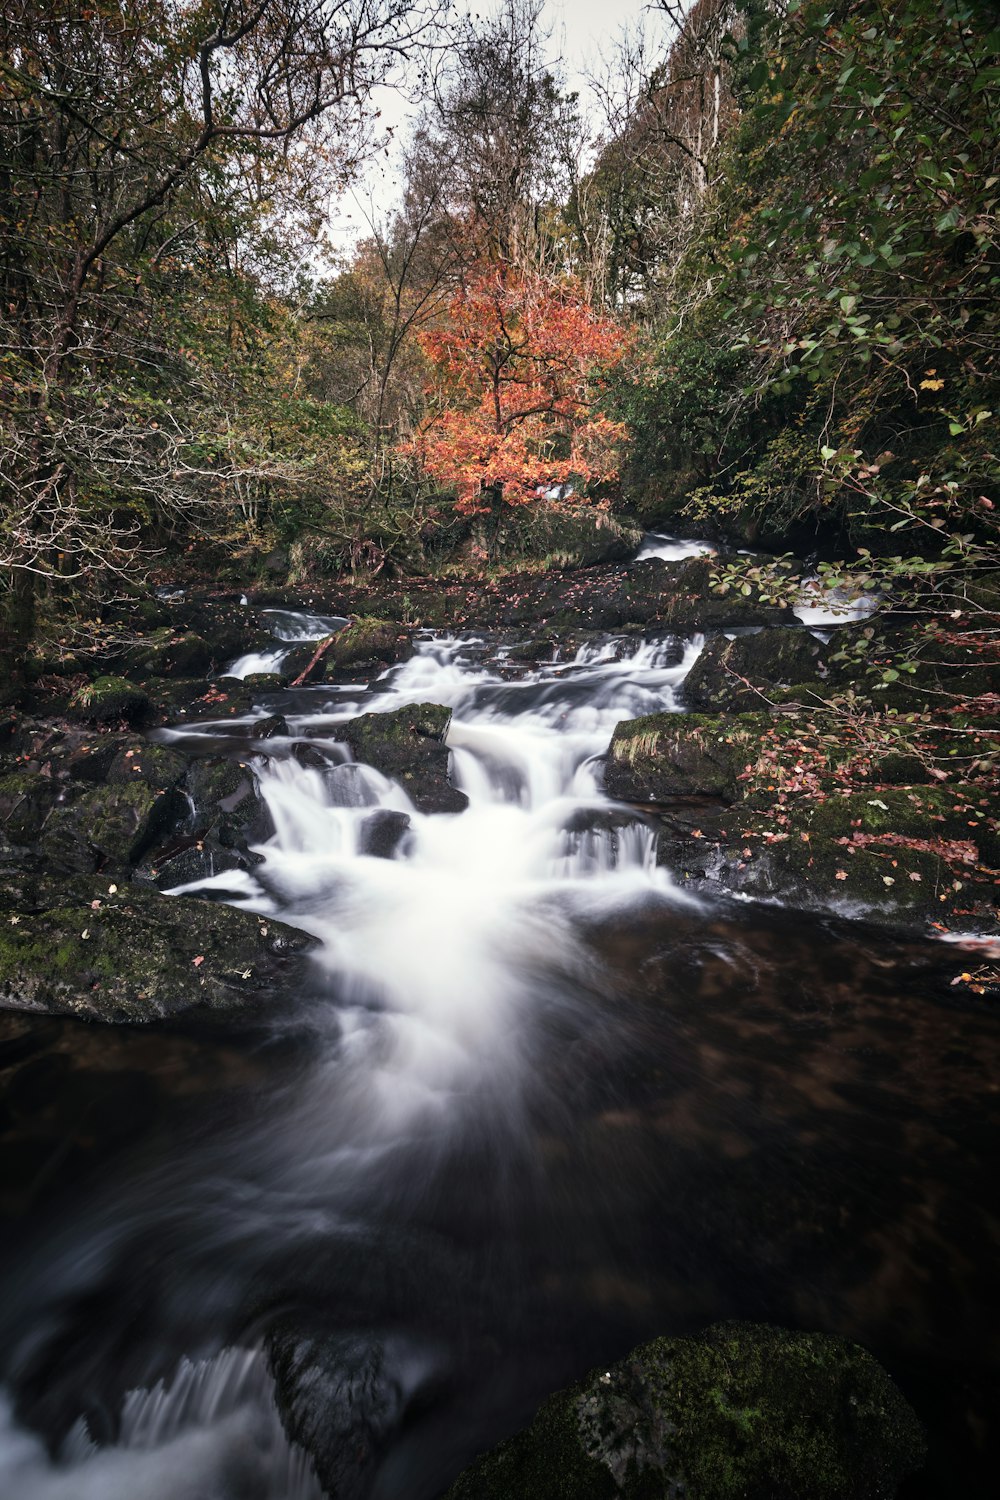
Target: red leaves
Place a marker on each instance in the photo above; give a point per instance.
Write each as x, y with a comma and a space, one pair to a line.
516, 372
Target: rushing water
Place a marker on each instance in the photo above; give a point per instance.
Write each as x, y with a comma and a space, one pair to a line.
537, 1104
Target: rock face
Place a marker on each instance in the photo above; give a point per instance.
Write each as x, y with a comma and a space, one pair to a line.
664, 756
408, 746
739, 674
769, 805
337, 1401
744, 1410
81, 948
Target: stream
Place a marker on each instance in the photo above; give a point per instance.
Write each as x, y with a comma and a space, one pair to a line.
538, 1104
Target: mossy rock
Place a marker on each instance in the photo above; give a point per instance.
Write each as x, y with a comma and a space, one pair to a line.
744, 1410
258, 683
26, 800
766, 660
365, 640
686, 599
662, 756
108, 700
408, 746
78, 948
169, 653
156, 766
109, 827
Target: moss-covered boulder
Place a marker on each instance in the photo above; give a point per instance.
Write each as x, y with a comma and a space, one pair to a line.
109, 700
744, 1410
364, 642
84, 948
577, 536
168, 653
109, 827
663, 756
686, 598
193, 699
741, 673
225, 817
408, 746
26, 800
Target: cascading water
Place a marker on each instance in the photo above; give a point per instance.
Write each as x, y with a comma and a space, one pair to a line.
444, 959
535, 1106
291, 627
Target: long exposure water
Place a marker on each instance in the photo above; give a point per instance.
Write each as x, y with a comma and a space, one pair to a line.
538, 1103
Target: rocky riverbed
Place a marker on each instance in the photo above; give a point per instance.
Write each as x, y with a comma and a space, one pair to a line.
468, 855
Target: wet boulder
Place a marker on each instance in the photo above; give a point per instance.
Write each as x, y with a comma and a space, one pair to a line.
168, 653
365, 642
338, 1399
225, 815
194, 699
85, 948
108, 827
663, 756
408, 746
26, 800
681, 596
383, 831
744, 1409
109, 700
258, 684
739, 674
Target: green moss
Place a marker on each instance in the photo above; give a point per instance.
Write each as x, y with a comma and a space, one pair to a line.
662, 756
108, 699
364, 640
133, 955
743, 1410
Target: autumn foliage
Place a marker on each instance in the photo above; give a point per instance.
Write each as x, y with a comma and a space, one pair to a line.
516, 374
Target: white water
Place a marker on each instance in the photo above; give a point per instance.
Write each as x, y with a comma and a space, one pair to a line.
443, 964
291, 626
211, 1433
823, 606
670, 548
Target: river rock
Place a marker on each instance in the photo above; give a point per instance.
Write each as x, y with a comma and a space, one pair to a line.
108, 700
26, 800
367, 642
408, 746
686, 599
82, 948
382, 832
740, 673
109, 827
663, 756
168, 653
337, 1400
743, 1410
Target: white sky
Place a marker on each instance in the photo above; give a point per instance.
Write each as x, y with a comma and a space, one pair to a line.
583, 33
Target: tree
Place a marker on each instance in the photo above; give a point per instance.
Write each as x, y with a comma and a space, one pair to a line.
515, 398
136, 137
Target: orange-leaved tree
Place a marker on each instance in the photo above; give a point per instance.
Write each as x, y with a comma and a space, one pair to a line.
516, 369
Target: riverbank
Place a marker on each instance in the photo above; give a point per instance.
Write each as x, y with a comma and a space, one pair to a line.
841, 768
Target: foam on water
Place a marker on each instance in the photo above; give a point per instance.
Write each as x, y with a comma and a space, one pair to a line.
440, 964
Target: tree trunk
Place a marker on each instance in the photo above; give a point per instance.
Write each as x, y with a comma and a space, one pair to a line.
17, 631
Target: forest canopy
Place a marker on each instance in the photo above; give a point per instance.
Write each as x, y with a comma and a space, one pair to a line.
750, 274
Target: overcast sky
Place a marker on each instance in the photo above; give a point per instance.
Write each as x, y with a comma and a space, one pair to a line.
583, 33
